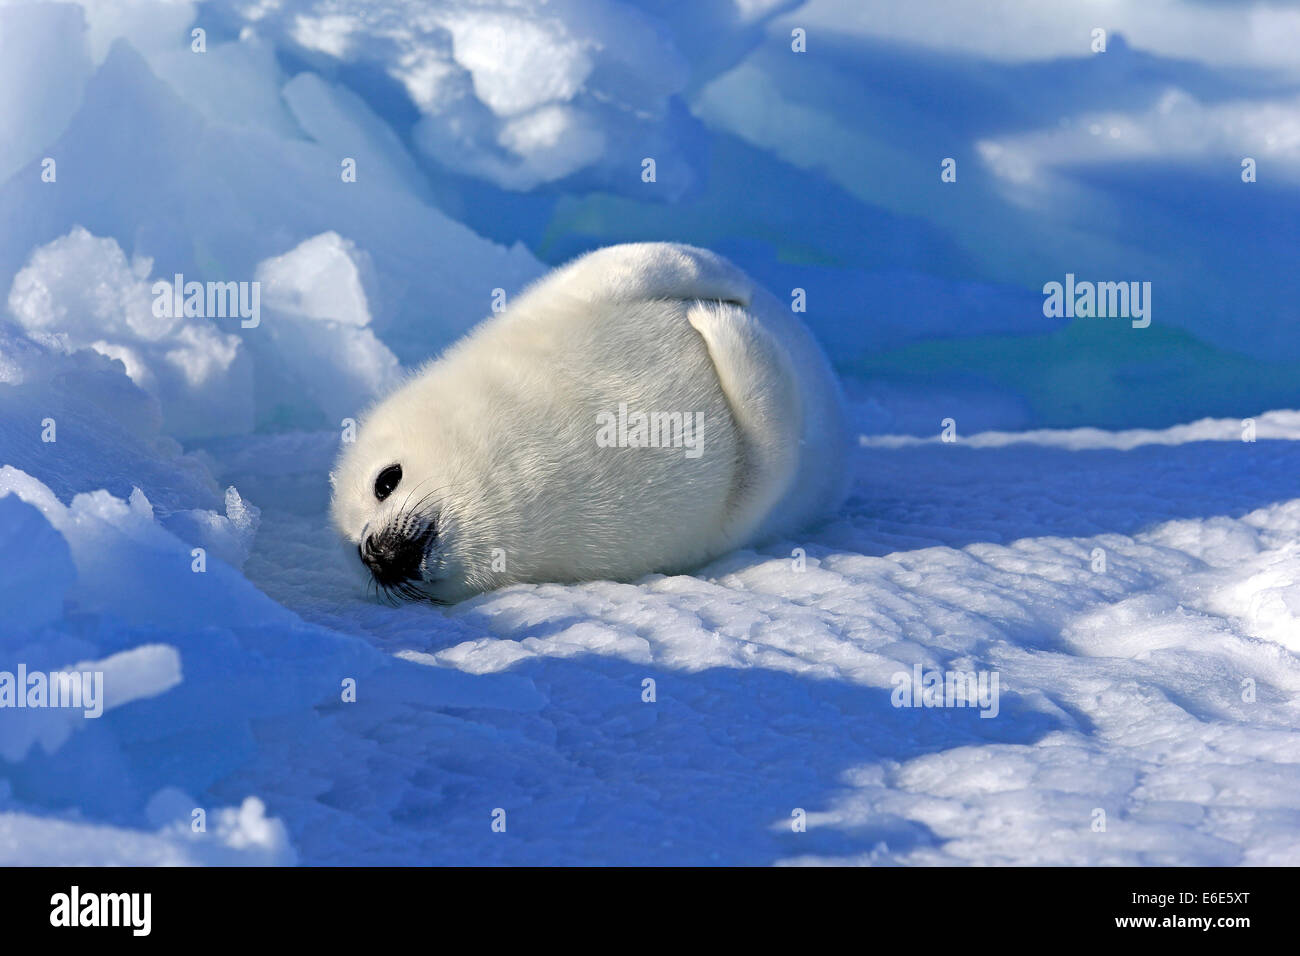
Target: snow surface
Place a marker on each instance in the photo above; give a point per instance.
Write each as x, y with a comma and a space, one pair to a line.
1133, 586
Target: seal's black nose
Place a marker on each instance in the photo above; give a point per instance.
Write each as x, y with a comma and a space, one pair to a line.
392, 558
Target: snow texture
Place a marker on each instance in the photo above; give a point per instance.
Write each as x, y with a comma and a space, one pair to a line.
1109, 525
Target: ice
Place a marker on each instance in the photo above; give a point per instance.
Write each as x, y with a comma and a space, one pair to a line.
241, 836
80, 292
521, 94
152, 25
435, 277
322, 354
1284, 425
979, 554
103, 431
230, 83
339, 120
1055, 146
33, 593
1177, 127
118, 679
35, 105
1112, 532
1250, 36
229, 536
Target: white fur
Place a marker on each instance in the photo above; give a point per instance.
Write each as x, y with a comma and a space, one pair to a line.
497, 438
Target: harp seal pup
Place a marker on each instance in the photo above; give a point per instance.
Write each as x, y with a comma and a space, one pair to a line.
644, 408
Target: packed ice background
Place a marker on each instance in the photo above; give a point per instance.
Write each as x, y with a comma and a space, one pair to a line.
494, 140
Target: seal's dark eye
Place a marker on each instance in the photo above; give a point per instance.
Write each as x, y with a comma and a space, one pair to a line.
388, 479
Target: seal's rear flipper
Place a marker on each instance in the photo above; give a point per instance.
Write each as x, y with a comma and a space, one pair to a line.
758, 381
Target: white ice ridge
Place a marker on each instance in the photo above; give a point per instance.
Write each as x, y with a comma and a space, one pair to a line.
1283, 424
1177, 127
231, 836
522, 92
1254, 35
142, 672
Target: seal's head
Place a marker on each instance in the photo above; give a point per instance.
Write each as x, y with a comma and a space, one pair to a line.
390, 502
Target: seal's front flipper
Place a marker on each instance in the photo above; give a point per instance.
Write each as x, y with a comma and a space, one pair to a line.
759, 383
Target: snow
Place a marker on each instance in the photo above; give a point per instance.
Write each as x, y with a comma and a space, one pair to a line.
34, 104
317, 336
1112, 533
521, 93
79, 292
241, 836
1177, 126
1283, 425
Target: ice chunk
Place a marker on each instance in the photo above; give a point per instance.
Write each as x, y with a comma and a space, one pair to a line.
1257, 36
80, 292
341, 121
38, 568
36, 103
235, 836
151, 25
320, 278
78, 423
129, 564
232, 83
526, 93
1176, 128
99, 686
316, 354
229, 536
434, 277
